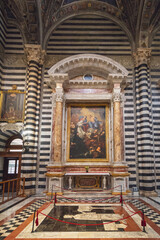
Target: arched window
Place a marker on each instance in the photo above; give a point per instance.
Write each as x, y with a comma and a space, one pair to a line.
14, 144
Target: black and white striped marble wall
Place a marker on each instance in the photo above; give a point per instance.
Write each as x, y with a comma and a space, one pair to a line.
46, 133
81, 34
88, 34
155, 77
129, 131
155, 87
12, 67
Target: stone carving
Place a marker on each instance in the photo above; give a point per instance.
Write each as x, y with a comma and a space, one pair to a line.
59, 94
143, 55
117, 95
82, 6
155, 62
56, 79
91, 60
35, 53
50, 60
10, 126
53, 99
126, 61
14, 59
80, 83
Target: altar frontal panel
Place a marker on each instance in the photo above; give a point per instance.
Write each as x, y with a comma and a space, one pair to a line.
87, 132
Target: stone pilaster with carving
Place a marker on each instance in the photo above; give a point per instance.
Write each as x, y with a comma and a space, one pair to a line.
120, 170
58, 126
59, 94
116, 123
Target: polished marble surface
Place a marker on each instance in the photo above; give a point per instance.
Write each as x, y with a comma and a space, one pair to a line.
17, 222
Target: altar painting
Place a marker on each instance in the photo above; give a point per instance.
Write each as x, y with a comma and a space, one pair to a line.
87, 133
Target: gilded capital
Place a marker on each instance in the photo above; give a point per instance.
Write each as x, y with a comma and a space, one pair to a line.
143, 55
35, 53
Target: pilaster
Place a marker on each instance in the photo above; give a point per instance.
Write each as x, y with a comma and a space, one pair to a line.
119, 169
55, 169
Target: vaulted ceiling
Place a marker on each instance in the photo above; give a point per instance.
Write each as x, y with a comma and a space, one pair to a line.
37, 18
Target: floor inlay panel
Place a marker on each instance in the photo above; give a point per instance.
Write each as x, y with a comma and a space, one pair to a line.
90, 211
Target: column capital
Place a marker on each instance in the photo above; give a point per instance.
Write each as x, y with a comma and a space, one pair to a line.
117, 95
59, 94
35, 53
143, 55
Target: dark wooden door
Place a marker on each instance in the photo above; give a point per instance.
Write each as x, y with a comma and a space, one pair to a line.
11, 171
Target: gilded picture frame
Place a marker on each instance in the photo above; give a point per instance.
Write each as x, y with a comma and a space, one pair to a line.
12, 106
87, 132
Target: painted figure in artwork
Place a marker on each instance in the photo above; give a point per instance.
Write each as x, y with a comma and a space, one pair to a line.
87, 133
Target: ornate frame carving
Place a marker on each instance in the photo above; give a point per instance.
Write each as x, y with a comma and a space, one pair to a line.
106, 128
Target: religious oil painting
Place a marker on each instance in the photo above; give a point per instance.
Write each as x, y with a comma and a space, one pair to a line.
88, 132
12, 106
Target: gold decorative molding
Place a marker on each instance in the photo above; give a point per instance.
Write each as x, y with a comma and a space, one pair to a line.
55, 166
54, 174
118, 193
49, 193
120, 174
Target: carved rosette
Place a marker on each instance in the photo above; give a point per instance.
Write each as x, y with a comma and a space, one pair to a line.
34, 53
143, 55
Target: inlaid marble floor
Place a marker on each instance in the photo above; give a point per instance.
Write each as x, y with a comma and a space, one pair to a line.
89, 220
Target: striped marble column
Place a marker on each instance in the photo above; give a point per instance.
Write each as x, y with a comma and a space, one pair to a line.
145, 140
34, 56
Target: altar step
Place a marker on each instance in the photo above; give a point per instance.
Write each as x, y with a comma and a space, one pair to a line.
87, 193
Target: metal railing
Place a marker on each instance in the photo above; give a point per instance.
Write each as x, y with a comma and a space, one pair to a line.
11, 189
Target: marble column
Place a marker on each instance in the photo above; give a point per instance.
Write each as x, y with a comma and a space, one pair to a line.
35, 58
119, 175
57, 155
144, 123
55, 168
117, 122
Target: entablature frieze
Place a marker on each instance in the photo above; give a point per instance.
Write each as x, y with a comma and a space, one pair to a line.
11, 126
88, 97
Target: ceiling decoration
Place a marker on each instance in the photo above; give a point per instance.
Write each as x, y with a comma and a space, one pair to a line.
24, 14
112, 2
36, 17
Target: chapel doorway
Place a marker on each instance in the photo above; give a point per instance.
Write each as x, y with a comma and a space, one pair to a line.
12, 162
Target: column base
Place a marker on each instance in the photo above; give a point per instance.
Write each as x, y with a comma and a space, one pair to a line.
55, 174
120, 178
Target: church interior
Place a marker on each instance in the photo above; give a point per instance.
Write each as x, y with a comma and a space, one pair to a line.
79, 119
